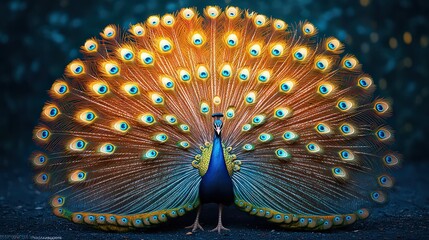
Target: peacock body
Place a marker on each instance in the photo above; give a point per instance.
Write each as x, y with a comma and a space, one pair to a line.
229, 107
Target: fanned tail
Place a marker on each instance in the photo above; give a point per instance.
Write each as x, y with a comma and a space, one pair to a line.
127, 126
310, 138
117, 134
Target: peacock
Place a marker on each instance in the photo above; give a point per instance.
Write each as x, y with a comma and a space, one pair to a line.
226, 107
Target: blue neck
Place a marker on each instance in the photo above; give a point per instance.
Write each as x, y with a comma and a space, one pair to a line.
216, 184
217, 160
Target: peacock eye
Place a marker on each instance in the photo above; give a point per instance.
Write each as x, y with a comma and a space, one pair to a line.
77, 145
246, 127
286, 86
109, 32
381, 107
258, 119
226, 71
325, 89
339, 172
184, 75
40, 160
168, 20
137, 30
385, 181
230, 113
290, 136
165, 45
204, 108
87, 116
313, 147
43, 134
383, 134
322, 64
244, 74
344, 105
364, 82
282, 153
390, 160
265, 137
232, 40
264, 76
347, 129
378, 197
153, 21
58, 201
146, 58
202, 73
131, 89
188, 13
350, 63
170, 119
197, 39
281, 113
160, 137
231, 12
91, 45
184, 127
300, 54
250, 98
279, 25
277, 50
260, 20
147, 119
60, 88
51, 112
157, 99
77, 176
111, 69
168, 83
150, 154
127, 54
121, 126
42, 178
323, 128
308, 29
255, 50
107, 148
213, 12
76, 68
248, 147
183, 144
333, 44
346, 155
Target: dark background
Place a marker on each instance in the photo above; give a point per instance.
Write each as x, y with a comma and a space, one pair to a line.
38, 39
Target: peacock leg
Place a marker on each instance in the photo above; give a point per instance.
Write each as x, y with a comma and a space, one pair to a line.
219, 226
196, 224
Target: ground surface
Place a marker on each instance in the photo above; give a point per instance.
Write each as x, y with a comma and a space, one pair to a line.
25, 214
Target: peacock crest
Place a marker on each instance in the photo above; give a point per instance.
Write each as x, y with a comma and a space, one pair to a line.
226, 107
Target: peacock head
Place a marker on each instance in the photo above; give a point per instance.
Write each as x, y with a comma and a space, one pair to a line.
217, 124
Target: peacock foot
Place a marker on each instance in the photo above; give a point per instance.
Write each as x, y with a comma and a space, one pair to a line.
219, 228
196, 224
195, 227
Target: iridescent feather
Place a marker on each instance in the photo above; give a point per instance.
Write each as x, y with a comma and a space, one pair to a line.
128, 133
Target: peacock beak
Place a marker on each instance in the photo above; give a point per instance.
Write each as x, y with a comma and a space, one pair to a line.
218, 129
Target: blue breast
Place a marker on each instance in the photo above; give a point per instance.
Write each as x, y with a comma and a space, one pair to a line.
216, 184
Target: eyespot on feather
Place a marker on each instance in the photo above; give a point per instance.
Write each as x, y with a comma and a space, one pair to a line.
279, 25
187, 13
137, 30
232, 12
212, 12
